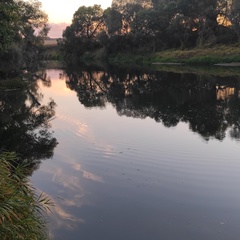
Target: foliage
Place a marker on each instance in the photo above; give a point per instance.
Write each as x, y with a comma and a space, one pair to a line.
12, 84
139, 28
8, 20
25, 122
87, 21
234, 17
113, 21
23, 26
21, 209
81, 35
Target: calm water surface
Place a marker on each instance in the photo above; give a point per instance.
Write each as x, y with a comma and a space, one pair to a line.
142, 156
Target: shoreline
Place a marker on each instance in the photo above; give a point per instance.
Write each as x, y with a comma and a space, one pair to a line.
222, 55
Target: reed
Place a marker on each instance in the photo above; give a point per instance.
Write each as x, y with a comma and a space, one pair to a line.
22, 211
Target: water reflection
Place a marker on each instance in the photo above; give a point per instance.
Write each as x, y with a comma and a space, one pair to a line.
123, 177
209, 104
25, 122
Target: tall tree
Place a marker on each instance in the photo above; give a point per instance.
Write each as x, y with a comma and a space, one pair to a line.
23, 26
113, 21
8, 20
149, 28
235, 17
129, 12
82, 34
88, 21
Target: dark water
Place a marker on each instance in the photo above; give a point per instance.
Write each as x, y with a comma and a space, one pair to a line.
142, 155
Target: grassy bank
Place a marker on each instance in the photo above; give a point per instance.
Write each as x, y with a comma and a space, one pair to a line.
197, 56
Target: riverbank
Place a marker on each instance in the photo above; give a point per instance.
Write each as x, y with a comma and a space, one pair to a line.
197, 56
50, 51
222, 55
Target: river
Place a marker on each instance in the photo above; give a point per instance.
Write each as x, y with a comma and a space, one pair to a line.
142, 154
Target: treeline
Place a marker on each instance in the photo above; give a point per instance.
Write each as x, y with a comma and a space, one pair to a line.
151, 26
23, 25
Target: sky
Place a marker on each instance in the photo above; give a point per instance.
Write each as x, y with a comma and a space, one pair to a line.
60, 12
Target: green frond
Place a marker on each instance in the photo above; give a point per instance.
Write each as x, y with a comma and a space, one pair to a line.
21, 209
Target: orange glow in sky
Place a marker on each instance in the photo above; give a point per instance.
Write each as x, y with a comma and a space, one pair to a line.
62, 11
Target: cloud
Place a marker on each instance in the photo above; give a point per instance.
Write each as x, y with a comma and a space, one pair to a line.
56, 29
92, 176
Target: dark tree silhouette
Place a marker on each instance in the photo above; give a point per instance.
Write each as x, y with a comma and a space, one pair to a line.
205, 102
25, 125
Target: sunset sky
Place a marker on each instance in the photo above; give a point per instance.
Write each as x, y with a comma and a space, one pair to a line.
60, 13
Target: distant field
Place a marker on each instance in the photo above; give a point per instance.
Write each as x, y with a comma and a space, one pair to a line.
50, 42
50, 50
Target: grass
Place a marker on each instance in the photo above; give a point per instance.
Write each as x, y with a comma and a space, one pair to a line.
50, 42
21, 210
214, 55
196, 56
199, 69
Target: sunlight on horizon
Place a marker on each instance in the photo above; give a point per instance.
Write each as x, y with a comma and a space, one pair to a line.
62, 11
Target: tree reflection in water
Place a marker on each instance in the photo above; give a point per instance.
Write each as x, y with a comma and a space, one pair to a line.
25, 123
210, 104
